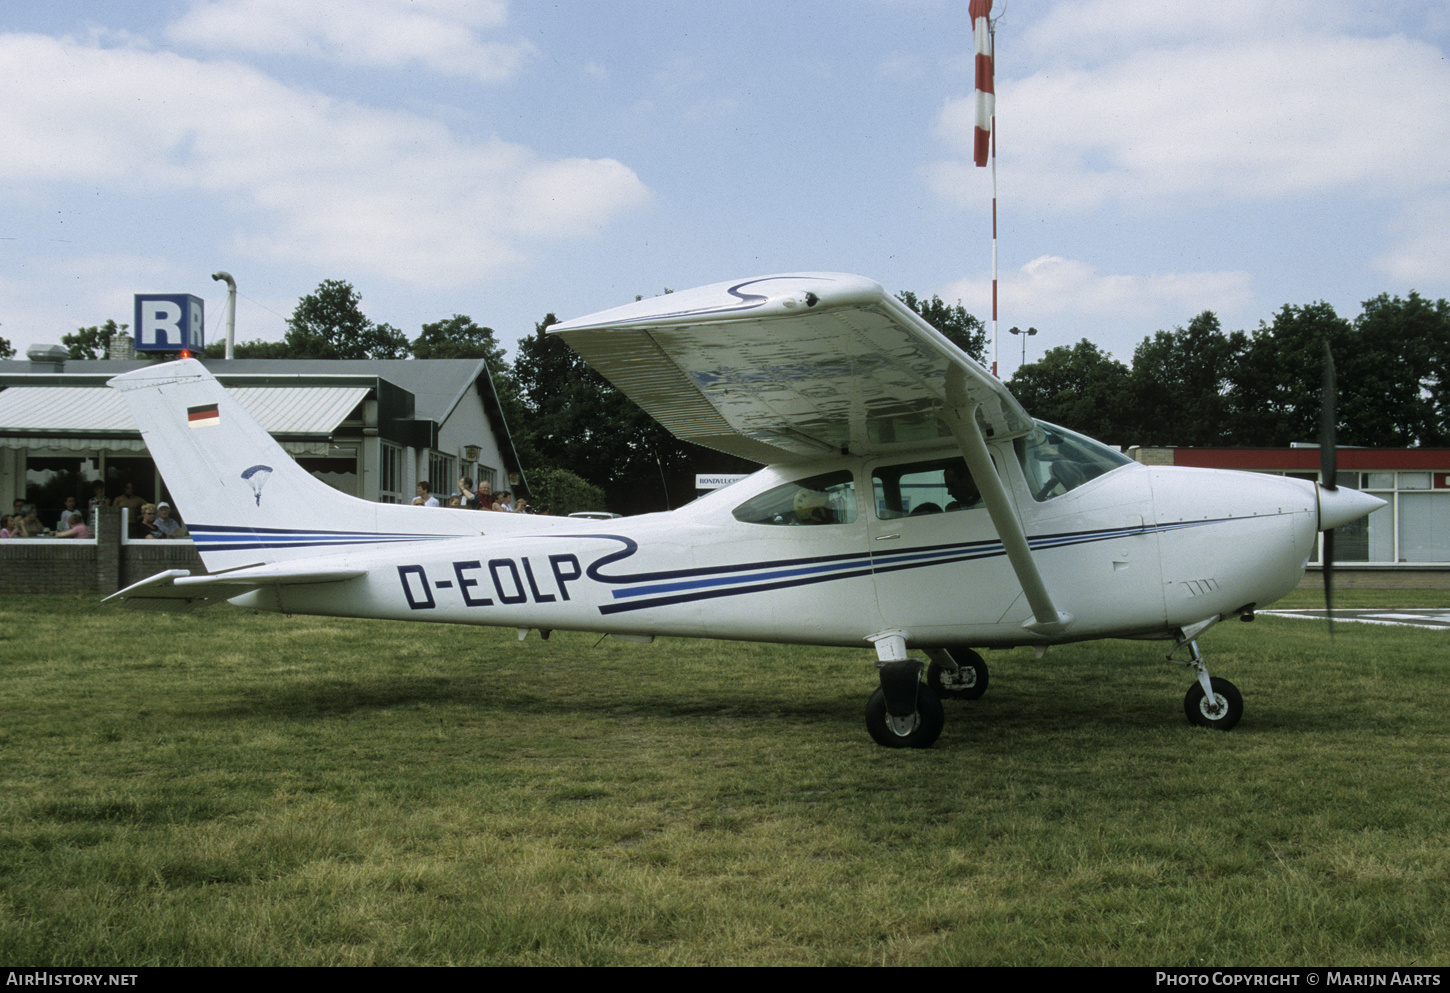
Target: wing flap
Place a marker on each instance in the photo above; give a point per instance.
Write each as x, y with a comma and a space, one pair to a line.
791, 367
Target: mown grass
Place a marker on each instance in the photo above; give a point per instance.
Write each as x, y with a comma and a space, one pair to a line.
236, 788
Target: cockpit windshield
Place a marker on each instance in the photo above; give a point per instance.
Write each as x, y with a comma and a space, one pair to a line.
1056, 460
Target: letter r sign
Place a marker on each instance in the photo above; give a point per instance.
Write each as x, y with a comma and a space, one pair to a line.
169, 322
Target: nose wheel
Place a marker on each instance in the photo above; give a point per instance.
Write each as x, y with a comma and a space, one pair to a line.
1221, 711
1211, 702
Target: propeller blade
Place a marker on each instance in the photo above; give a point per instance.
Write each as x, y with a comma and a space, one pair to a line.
1328, 477
1328, 427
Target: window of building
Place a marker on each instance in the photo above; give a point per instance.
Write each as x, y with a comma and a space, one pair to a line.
390, 485
441, 476
1412, 527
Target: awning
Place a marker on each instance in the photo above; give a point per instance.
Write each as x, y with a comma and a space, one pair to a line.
89, 419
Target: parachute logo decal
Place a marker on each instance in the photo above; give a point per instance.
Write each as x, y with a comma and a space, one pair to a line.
257, 475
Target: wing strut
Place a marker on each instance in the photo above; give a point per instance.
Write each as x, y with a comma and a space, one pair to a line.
964, 427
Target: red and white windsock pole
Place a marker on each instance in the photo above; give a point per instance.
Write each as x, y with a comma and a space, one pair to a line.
984, 144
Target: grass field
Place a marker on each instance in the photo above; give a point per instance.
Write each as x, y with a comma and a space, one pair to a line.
237, 788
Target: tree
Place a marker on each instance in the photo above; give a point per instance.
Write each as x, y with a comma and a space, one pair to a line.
329, 324
1081, 388
254, 349
561, 492
964, 330
93, 342
1277, 384
1181, 382
7, 350
459, 338
1392, 384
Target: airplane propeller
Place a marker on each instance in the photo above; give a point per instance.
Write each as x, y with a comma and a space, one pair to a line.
1328, 478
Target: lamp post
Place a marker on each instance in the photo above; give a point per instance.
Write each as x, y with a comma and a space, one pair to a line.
1025, 335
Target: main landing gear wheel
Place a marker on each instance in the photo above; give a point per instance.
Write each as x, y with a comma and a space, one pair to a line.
1222, 713
916, 730
969, 682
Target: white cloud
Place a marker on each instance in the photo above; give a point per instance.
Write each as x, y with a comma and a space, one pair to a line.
1193, 115
1086, 31
438, 34
330, 182
1050, 286
1422, 254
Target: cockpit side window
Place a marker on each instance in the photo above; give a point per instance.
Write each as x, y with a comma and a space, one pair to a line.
1055, 460
916, 488
829, 498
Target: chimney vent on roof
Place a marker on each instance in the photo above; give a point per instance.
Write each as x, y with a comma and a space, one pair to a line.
47, 358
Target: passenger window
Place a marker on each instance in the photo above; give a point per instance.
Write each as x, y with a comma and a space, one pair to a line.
916, 488
1055, 460
826, 499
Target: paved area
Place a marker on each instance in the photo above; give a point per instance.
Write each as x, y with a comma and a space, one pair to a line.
1436, 618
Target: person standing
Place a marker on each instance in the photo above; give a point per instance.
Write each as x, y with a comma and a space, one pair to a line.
130, 500
63, 521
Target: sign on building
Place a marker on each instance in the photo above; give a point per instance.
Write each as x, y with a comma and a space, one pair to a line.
170, 322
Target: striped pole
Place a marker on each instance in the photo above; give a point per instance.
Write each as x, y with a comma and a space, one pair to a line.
984, 138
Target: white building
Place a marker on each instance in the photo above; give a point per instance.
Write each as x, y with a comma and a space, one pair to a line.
371, 429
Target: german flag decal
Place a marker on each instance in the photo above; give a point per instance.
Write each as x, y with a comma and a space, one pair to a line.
203, 416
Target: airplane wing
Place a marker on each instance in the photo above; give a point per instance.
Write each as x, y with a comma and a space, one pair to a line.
792, 367
179, 590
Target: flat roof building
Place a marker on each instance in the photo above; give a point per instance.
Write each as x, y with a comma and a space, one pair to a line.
370, 428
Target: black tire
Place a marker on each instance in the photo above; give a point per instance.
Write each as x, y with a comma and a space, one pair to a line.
1226, 693
969, 682
930, 719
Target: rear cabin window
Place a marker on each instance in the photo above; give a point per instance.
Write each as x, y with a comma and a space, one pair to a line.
1056, 460
826, 499
917, 488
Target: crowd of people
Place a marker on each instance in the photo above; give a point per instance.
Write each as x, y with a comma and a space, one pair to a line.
469, 498
159, 521
154, 521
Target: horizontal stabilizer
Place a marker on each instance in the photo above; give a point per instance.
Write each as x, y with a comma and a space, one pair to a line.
176, 589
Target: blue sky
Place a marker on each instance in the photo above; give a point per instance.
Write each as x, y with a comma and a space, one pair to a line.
504, 160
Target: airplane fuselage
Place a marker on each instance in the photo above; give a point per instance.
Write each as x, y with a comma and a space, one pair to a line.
1118, 561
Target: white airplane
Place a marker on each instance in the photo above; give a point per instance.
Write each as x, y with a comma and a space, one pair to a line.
909, 503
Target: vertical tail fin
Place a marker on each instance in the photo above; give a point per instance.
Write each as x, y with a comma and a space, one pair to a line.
244, 499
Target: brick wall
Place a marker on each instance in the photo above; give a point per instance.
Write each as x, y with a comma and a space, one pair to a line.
103, 566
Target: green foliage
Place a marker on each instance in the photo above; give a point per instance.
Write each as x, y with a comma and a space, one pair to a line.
1397, 372
1081, 388
330, 324
1278, 386
7, 350
459, 338
255, 349
1198, 386
93, 342
1180, 384
964, 330
561, 492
